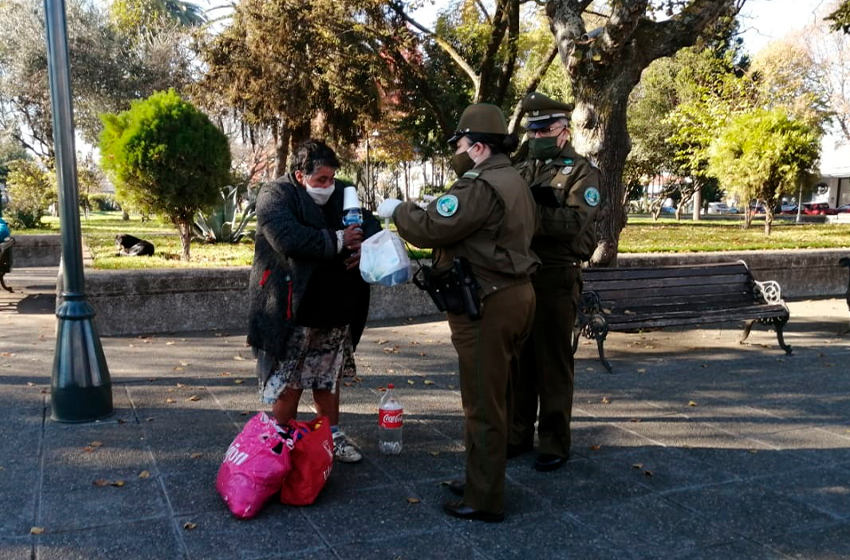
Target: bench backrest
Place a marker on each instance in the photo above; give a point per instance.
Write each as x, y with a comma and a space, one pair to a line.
671, 288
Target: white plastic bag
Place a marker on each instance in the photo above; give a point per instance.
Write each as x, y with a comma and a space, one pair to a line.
384, 260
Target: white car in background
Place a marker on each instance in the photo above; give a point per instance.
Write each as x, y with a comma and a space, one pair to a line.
719, 208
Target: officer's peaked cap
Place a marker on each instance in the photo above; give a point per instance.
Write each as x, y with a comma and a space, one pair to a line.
481, 118
542, 111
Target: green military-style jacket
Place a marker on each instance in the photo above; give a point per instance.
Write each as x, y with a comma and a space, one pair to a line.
566, 189
487, 216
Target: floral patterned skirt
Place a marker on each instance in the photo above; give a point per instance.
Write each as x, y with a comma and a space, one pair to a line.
315, 358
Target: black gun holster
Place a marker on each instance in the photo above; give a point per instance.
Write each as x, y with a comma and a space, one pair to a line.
454, 290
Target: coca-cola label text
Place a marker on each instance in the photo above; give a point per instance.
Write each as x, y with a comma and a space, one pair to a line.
390, 418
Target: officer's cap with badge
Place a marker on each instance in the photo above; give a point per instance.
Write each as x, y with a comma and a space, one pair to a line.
542, 111
480, 118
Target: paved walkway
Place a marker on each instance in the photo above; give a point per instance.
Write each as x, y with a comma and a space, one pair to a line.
695, 448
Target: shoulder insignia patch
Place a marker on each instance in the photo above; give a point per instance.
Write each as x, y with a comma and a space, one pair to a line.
471, 175
447, 205
591, 196
568, 161
567, 169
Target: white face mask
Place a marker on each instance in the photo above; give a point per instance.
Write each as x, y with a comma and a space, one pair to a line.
320, 196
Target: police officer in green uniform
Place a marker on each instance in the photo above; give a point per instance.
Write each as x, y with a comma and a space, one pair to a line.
485, 220
565, 186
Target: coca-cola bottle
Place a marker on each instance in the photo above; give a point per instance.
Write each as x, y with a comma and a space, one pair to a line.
390, 423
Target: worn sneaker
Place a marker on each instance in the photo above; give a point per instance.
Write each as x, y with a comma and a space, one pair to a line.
344, 450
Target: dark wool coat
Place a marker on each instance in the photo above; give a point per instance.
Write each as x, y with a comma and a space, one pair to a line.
292, 239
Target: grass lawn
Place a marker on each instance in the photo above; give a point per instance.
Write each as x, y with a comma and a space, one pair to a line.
641, 235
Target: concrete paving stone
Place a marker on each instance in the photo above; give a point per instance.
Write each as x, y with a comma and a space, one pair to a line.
579, 485
814, 444
647, 525
434, 545
16, 548
192, 491
153, 538
365, 474
422, 461
19, 491
827, 542
236, 397
173, 441
520, 498
615, 404
180, 397
17, 394
662, 469
825, 488
415, 432
749, 510
542, 535
756, 462
92, 446
735, 549
278, 531
680, 431
372, 514
70, 499
594, 439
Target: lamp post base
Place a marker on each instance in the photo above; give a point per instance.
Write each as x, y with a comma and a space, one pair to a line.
80, 388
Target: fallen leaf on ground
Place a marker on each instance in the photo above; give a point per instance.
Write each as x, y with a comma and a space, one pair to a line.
196, 455
595, 447
238, 357
413, 500
36, 530
88, 449
237, 381
627, 312
411, 382
635, 420
184, 363
753, 451
390, 351
189, 525
637, 466
149, 419
30, 384
224, 373
390, 371
170, 401
605, 400
434, 453
346, 384
450, 386
180, 385
194, 398
647, 474
118, 483
382, 341
8, 354
422, 354
100, 482
170, 343
145, 474
692, 403
178, 368
428, 382
642, 370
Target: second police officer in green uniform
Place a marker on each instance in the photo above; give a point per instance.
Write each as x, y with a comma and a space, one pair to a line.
483, 225
565, 186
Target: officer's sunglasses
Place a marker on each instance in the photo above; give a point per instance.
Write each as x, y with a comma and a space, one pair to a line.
546, 131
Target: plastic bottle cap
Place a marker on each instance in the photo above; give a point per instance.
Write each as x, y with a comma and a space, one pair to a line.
349, 198
390, 386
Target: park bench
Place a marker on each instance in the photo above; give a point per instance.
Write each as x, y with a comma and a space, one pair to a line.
6, 260
635, 298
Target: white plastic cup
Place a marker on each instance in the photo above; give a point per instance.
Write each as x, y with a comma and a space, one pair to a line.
349, 198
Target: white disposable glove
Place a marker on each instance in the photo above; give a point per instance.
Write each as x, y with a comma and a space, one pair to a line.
387, 207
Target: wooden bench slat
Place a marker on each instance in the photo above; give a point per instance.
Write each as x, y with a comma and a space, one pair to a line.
692, 281
637, 273
704, 316
639, 294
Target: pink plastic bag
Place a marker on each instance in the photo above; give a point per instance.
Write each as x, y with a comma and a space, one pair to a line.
254, 467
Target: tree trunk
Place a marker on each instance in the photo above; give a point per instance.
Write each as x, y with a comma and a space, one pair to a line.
697, 204
282, 152
185, 229
768, 220
599, 129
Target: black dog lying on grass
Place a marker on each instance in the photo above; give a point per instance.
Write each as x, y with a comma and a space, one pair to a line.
845, 261
131, 246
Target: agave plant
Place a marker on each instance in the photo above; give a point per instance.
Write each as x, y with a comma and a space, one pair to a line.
220, 225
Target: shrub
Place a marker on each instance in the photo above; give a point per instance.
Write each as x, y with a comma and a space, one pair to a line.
31, 191
165, 157
104, 202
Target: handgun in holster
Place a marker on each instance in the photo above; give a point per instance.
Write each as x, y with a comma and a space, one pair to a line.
454, 290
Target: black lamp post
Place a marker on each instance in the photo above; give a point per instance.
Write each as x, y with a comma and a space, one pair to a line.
80, 388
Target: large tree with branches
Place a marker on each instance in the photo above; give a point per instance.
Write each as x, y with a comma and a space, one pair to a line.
604, 65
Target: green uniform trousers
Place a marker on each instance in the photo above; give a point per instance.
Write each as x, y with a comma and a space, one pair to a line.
488, 351
547, 372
